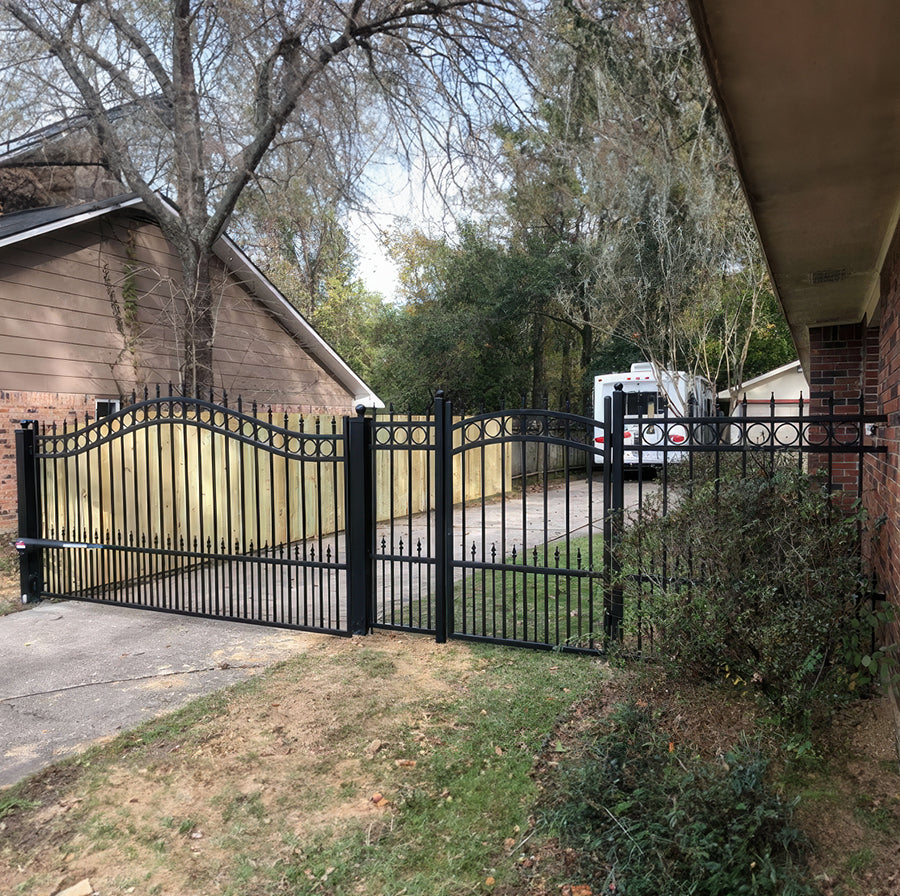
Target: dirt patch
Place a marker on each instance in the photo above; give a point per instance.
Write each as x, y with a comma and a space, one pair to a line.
311, 749
850, 803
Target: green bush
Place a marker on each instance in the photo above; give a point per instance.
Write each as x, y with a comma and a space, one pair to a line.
756, 581
651, 820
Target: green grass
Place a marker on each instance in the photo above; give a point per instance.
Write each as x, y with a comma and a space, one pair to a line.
455, 808
175, 726
530, 598
860, 860
12, 801
877, 817
531, 601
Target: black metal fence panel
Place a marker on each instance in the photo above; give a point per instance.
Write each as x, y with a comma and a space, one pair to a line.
182, 505
706, 453
503, 527
404, 540
503, 544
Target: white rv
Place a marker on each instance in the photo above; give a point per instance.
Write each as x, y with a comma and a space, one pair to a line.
651, 393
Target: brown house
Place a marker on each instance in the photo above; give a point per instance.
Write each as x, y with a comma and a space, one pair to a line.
90, 304
810, 94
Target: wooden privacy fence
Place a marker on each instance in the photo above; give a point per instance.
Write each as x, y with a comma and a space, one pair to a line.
175, 471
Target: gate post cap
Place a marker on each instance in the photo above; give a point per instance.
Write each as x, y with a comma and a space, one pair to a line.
618, 387
360, 410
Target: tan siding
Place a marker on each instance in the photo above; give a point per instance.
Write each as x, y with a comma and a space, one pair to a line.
59, 333
60, 348
54, 307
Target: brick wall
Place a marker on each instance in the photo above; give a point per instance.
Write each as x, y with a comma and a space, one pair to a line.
883, 471
15, 407
854, 360
838, 366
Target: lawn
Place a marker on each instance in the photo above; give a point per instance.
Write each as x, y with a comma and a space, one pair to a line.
390, 764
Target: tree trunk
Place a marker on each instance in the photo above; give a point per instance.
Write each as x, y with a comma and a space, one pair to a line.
538, 378
198, 327
587, 358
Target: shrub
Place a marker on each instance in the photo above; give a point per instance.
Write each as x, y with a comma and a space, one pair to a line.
757, 581
660, 822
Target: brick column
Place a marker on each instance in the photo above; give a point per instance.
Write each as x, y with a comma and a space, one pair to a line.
18, 406
840, 372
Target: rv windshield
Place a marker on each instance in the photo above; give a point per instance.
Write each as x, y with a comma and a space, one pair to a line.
638, 404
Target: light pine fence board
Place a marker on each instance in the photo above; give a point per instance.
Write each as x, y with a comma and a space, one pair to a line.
171, 483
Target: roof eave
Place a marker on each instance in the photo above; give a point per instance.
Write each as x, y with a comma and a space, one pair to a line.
808, 97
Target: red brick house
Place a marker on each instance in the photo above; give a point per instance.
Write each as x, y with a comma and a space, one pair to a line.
90, 300
810, 94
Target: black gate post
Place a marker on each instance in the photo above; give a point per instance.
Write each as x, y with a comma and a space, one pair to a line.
613, 509
443, 512
360, 525
31, 560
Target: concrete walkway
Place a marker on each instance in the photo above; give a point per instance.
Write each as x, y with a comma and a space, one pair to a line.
511, 523
73, 673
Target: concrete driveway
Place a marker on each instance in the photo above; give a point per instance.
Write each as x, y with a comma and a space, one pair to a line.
73, 673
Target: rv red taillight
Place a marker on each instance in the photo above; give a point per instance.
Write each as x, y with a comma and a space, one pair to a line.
678, 439
599, 439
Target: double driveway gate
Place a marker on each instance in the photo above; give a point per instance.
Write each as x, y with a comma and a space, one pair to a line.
499, 527
487, 527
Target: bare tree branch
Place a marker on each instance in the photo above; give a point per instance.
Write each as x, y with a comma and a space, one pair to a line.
241, 81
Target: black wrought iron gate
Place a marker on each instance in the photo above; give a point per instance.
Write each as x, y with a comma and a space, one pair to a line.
507, 544
486, 527
499, 527
182, 505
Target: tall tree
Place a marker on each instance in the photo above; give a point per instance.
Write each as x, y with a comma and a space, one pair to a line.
466, 324
480, 318
306, 251
626, 166
219, 85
